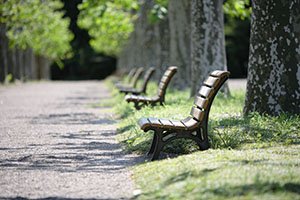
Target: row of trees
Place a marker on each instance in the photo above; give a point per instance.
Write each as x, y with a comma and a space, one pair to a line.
162, 33
32, 34
185, 33
190, 34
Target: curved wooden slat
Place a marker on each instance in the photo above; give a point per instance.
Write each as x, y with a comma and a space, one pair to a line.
197, 113
131, 74
201, 102
143, 123
212, 81
154, 122
177, 124
190, 123
137, 75
219, 73
166, 123
206, 91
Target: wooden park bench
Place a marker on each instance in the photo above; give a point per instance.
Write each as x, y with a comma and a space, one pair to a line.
194, 126
135, 78
146, 79
129, 78
140, 101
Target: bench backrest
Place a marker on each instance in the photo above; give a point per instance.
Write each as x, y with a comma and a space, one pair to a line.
165, 80
131, 74
147, 77
207, 93
137, 75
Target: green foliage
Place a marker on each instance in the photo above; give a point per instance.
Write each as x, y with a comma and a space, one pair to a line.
8, 78
234, 8
159, 11
39, 25
237, 8
109, 23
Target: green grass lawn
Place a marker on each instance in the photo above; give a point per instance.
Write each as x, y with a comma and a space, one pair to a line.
254, 157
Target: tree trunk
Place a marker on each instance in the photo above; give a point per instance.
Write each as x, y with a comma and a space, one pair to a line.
207, 40
29, 63
179, 23
133, 54
274, 58
12, 56
146, 37
42, 67
3, 53
19, 64
161, 49
148, 44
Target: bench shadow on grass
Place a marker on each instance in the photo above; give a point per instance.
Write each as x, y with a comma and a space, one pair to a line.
247, 132
257, 188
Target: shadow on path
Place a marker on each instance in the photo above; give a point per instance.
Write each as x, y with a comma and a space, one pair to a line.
89, 151
70, 118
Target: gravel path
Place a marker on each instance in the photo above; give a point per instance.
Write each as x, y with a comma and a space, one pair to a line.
53, 145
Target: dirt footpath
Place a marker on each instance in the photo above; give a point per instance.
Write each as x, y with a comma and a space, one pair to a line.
53, 144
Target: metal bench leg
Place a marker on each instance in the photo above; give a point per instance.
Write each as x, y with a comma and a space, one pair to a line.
158, 146
153, 143
204, 143
136, 105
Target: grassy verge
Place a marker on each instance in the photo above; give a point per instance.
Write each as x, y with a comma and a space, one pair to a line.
250, 158
270, 173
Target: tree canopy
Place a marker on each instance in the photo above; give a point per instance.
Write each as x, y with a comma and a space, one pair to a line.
110, 23
37, 24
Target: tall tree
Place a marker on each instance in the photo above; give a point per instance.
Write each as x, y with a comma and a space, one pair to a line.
3, 53
274, 61
34, 24
179, 23
148, 44
207, 40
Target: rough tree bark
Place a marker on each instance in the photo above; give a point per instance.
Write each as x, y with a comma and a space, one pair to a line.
134, 53
3, 53
42, 67
162, 35
19, 63
179, 23
207, 40
148, 44
274, 58
29, 63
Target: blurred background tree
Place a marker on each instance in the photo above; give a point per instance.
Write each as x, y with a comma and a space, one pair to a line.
32, 34
87, 36
86, 62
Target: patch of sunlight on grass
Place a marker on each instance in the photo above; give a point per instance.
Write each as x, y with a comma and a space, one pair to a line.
254, 157
271, 173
